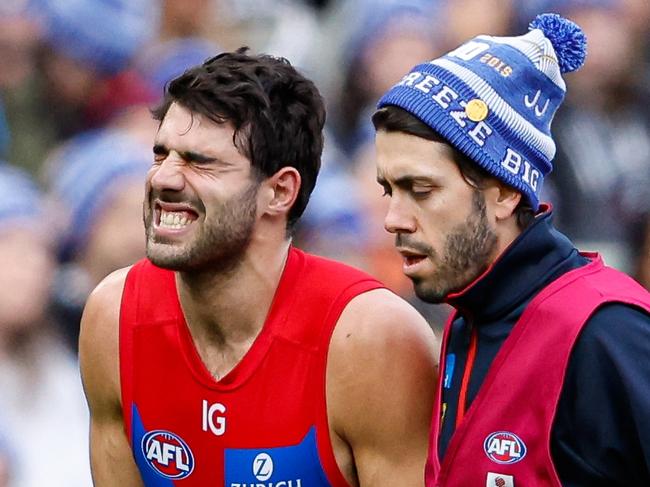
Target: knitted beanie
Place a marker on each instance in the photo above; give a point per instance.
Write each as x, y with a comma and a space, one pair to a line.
21, 201
82, 175
494, 98
103, 34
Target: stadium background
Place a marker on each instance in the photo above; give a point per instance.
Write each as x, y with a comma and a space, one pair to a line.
77, 79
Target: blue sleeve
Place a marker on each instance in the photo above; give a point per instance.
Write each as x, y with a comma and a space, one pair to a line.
601, 434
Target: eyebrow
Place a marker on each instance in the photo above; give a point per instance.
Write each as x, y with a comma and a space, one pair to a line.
404, 181
186, 155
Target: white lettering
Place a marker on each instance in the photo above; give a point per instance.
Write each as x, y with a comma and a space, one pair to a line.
515, 164
526, 175
500, 447
410, 78
534, 179
469, 50
217, 425
167, 453
459, 115
494, 446
281, 483
480, 133
427, 83
154, 452
180, 465
512, 161
445, 96
512, 447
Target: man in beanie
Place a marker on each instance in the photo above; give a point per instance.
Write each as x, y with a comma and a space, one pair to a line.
229, 357
545, 373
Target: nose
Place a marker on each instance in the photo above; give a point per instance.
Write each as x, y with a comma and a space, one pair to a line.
168, 175
399, 219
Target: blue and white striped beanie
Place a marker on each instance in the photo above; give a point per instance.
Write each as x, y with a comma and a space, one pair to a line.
21, 200
83, 173
104, 34
494, 98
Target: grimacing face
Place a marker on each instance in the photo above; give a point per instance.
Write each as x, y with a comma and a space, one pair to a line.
200, 207
439, 220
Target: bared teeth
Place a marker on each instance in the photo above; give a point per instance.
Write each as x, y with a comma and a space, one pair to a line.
172, 219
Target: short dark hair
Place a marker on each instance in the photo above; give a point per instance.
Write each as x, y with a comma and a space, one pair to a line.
392, 118
278, 114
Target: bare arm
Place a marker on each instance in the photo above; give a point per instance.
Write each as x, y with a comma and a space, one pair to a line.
381, 376
110, 455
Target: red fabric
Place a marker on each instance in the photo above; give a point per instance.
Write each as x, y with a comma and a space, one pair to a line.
522, 388
273, 396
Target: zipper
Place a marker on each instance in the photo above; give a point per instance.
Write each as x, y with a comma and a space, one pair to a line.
467, 373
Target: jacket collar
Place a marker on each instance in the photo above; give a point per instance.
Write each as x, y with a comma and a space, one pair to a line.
533, 259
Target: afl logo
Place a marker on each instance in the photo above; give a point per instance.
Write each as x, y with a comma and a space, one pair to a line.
504, 447
167, 454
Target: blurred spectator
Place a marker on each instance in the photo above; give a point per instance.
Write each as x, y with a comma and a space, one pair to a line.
19, 85
387, 37
465, 19
187, 18
163, 61
6, 457
600, 185
97, 182
332, 226
4, 133
85, 59
42, 400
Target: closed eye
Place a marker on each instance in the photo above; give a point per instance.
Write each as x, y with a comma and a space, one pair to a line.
160, 152
421, 192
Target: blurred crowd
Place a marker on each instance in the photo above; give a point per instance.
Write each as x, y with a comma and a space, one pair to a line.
77, 81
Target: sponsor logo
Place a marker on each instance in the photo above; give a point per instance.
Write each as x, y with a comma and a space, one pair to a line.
213, 419
504, 447
499, 480
167, 454
263, 466
295, 465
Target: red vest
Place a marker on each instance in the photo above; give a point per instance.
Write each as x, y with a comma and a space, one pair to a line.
504, 438
265, 423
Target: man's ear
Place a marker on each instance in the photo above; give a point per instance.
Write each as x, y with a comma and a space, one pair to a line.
503, 200
283, 188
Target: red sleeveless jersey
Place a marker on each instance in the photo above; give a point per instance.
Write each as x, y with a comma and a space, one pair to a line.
504, 439
265, 423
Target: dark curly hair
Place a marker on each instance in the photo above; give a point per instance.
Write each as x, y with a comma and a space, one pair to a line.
277, 113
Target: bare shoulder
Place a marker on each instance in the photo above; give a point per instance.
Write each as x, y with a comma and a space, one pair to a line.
381, 376
381, 321
99, 341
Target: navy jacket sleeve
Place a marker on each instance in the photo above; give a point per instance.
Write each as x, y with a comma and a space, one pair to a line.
602, 425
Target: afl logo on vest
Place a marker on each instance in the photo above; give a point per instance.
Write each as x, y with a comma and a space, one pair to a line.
167, 454
504, 447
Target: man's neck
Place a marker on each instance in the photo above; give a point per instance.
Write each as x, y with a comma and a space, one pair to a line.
224, 309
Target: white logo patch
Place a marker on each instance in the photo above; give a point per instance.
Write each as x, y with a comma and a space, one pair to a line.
263, 466
499, 480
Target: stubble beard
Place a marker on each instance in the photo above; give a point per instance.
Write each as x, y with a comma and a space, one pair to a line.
218, 245
467, 253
